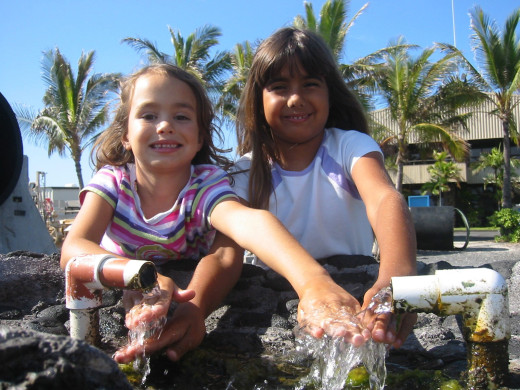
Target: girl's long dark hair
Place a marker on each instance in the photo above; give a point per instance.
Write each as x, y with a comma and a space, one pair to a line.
292, 47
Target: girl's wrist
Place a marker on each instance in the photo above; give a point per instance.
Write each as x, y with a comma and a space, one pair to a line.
320, 281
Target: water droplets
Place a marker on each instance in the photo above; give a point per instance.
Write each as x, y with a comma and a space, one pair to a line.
146, 330
334, 358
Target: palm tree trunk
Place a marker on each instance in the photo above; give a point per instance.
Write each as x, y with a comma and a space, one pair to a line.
79, 174
506, 188
400, 163
76, 156
399, 178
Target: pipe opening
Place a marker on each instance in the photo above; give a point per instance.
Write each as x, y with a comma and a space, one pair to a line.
147, 276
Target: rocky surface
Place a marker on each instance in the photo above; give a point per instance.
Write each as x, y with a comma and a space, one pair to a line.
245, 335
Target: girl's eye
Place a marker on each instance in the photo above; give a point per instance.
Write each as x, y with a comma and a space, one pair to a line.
313, 83
276, 87
181, 117
148, 117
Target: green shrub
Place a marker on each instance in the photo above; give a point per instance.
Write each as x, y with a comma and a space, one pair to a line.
508, 221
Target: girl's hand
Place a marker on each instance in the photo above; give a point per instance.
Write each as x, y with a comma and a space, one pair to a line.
326, 308
150, 309
147, 308
182, 333
386, 327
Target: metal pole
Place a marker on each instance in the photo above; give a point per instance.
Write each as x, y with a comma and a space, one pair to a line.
453, 20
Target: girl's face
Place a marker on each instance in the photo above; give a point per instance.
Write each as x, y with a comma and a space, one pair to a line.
163, 131
296, 106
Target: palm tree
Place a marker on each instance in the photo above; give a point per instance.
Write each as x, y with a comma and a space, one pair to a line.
494, 160
442, 172
423, 99
241, 60
76, 106
191, 54
331, 26
498, 55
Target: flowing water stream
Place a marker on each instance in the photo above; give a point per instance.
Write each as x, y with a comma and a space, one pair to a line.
335, 364
338, 363
146, 330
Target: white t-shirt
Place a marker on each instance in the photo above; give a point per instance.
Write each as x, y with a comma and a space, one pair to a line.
320, 205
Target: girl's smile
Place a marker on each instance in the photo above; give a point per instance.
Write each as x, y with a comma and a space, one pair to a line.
165, 146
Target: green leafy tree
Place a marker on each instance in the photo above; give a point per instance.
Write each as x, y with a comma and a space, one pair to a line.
442, 172
423, 98
498, 56
191, 54
75, 107
241, 59
508, 221
494, 160
331, 25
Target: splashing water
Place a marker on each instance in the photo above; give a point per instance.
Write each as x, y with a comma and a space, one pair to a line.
334, 358
381, 302
146, 330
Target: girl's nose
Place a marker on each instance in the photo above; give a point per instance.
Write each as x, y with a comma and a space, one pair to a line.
295, 100
165, 126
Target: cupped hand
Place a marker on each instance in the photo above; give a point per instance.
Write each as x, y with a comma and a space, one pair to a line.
384, 326
183, 332
148, 307
326, 308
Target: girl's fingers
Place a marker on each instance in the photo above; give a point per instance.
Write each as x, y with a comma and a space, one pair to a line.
406, 325
180, 295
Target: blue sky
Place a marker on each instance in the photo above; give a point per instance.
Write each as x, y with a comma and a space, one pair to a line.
29, 28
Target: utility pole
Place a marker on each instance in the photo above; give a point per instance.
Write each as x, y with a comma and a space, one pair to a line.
453, 21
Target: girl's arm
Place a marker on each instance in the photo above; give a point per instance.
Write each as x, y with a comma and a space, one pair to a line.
391, 221
214, 277
320, 298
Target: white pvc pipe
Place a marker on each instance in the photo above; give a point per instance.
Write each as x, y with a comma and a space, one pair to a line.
82, 284
84, 325
480, 294
87, 276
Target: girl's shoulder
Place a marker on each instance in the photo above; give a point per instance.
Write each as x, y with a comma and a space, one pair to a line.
348, 139
207, 172
201, 169
334, 134
243, 163
109, 181
118, 174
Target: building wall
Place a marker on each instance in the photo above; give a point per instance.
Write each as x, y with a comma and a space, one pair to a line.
418, 174
65, 201
484, 132
482, 125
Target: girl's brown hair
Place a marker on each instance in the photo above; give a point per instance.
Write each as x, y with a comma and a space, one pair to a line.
108, 148
292, 47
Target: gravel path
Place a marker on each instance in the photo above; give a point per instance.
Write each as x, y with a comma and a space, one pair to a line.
482, 249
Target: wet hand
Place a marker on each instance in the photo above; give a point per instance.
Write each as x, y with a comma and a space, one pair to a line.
148, 307
326, 308
183, 332
384, 326
405, 327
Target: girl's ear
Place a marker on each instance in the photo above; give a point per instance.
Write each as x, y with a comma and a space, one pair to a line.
201, 142
126, 143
